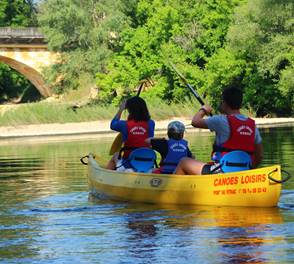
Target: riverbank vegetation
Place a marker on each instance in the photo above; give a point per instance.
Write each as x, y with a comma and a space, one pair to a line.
54, 112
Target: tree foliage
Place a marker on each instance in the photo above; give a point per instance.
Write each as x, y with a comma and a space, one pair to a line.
185, 32
16, 13
214, 43
83, 33
262, 35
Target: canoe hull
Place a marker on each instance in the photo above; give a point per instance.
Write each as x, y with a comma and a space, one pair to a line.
247, 188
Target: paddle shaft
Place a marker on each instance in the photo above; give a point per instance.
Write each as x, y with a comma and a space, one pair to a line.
194, 92
140, 89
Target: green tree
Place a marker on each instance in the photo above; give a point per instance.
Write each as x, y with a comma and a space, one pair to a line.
223, 69
16, 13
83, 33
185, 32
262, 35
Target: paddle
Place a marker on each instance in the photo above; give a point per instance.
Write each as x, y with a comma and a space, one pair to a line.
194, 92
117, 143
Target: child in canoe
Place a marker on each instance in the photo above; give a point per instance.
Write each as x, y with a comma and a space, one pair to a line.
135, 130
173, 149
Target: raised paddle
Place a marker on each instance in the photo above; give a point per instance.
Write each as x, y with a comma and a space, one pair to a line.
140, 88
117, 143
194, 92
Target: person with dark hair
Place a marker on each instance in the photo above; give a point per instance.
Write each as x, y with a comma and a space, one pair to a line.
137, 109
173, 149
234, 131
135, 130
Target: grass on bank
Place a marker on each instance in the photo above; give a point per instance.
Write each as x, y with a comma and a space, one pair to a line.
45, 112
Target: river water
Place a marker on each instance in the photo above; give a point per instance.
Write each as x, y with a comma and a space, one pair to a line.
47, 216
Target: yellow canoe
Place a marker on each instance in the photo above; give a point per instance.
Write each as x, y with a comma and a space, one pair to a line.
246, 188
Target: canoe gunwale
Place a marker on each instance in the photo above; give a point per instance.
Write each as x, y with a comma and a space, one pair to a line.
142, 174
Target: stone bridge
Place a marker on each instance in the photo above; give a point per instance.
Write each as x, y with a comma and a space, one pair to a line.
25, 50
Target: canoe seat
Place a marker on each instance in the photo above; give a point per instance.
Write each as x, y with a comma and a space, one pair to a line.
142, 159
236, 161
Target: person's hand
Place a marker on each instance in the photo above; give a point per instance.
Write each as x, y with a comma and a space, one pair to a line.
123, 105
207, 109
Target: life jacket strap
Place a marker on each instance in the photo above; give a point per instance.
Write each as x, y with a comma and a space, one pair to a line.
142, 159
236, 164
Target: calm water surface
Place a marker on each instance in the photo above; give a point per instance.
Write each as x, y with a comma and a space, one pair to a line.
46, 215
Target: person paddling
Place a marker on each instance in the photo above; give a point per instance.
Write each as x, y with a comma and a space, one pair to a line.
234, 131
135, 130
173, 149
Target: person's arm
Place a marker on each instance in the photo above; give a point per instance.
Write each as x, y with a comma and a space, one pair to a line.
151, 128
148, 141
115, 122
258, 152
189, 154
198, 119
122, 107
258, 155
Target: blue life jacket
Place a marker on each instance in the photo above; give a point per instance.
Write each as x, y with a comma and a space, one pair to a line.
177, 149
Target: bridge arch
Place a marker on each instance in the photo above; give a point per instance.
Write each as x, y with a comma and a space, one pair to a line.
25, 50
30, 73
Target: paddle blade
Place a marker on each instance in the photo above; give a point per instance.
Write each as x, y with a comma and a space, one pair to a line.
116, 144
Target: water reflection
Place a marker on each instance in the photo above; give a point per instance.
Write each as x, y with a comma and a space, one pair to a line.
278, 147
210, 216
142, 238
228, 232
20, 164
246, 243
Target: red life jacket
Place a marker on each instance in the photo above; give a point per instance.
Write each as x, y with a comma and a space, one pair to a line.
137, 134
242, 135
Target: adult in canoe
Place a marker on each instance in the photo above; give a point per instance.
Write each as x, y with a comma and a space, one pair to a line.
234, 131
135, 130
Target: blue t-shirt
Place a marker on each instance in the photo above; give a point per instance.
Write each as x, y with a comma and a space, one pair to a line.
220, 125
121, 126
